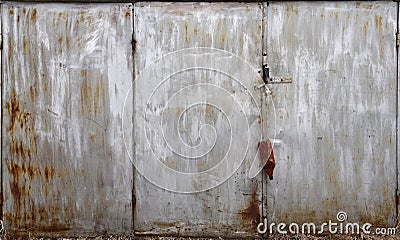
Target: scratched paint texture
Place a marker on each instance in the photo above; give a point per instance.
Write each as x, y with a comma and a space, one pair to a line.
66, 68
233, 208
335, 148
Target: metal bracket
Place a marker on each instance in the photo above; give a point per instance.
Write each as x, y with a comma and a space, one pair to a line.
397, 39
271, 80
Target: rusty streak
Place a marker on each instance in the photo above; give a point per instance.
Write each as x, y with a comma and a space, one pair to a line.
252, 212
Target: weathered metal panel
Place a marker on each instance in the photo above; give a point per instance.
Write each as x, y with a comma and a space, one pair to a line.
335, 147
232, 208
1, 104
66, 69
398, 110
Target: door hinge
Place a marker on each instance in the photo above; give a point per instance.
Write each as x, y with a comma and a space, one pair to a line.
1, 41
398, 39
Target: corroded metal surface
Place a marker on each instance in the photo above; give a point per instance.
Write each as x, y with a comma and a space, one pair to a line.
233, 208
65, 70
335, 148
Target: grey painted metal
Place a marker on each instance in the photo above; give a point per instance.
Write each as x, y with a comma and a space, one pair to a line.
233, 208
335, 147
117, 1
66, 68
1, 121
398, 110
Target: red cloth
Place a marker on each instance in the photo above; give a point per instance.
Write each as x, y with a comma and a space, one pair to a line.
267, 157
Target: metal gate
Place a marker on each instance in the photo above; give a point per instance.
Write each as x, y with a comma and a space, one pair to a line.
74, 121
180, 100
336, 141
65, 70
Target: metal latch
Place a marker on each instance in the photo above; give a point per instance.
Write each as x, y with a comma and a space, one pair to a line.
270, 80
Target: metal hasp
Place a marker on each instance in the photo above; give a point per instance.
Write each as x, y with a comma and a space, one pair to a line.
265, 73
266, 76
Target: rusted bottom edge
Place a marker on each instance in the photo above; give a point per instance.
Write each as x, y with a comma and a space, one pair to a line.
200, 235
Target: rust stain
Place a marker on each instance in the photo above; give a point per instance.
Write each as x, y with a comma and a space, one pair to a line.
11, 11
365, 27
91, 94
96, 98
33, 172
67, 40
42, 213
24, 43
89, 19
22, 147
98, 95
22, 121
86, 93
45, 86
165, 224
32, 93
10, 52
195, 30
292, 9
378, 21
49, 173
54, 228
16, 191
363, 5
23, 169
92, 138
186, 32
252, 212
334, 14
222, 39
33, 17
19, 181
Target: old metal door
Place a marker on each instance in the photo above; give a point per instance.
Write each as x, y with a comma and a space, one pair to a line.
336, 121
188, 115
65, 69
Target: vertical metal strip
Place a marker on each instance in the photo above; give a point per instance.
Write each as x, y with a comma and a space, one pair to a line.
264, 53
397, 118
133, 119
261, 109
1, 112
